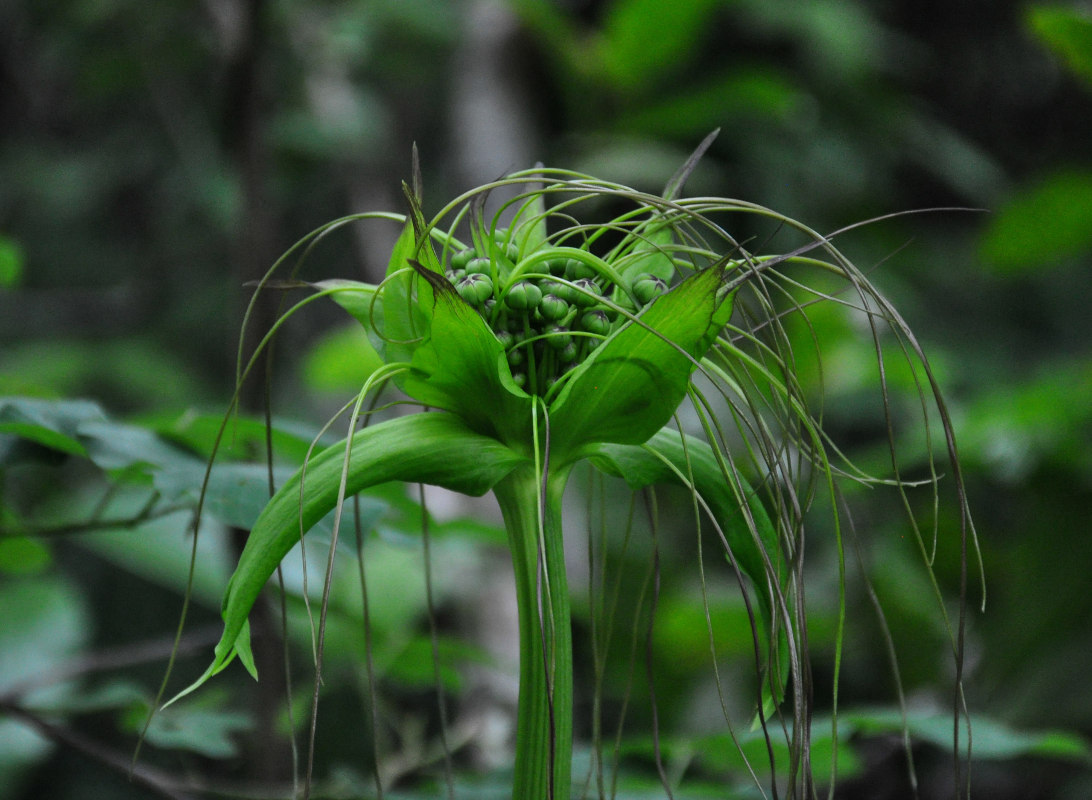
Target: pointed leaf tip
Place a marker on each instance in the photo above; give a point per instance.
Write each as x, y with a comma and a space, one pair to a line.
675, 185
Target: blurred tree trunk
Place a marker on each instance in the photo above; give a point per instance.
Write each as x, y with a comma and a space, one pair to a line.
245, 119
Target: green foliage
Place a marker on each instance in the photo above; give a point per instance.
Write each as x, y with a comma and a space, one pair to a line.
11, 263
1048, 222
1067, 31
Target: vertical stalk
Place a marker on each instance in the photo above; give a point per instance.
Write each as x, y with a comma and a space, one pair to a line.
544, 726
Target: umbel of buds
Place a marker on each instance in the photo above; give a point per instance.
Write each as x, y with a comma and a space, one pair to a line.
550, 313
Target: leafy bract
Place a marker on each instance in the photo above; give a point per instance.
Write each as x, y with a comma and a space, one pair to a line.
631, 385
461, 368
437, 449
405, 301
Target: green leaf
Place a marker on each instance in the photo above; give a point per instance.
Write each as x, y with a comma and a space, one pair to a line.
342, 360
748, 95
1068, 32
993, 739
206, 731
1043, 224
244, 437
644, 40
11, 263
51, 423
631, 385
650, 256
359, 299
22, 555
423, 448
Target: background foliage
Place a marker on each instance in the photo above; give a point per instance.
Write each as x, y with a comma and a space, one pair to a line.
155, 157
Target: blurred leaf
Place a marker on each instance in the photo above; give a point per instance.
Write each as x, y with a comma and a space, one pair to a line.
743, 94
50, 423
244, 437
993, 739
720, 754
1042, 224
1067, 31
413, 665
44, 623
22, 555
1015, 429
112, 695
341, 361
645, 40
11, 263
159, 551
201, 730
129, 450
123, 373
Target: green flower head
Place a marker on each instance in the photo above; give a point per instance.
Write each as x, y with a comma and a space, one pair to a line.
596, 328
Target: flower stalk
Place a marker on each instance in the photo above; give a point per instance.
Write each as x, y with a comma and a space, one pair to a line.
531, 507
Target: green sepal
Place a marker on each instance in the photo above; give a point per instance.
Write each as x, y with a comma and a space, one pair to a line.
753, 543
631, 385
434, 448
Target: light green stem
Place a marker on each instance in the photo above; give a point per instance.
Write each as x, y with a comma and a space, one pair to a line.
544, 726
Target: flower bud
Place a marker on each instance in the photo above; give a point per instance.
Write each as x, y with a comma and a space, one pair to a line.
558, 336
553, 308
459, 260
479, 266
523, 296
595, 321
556, 266
583, 299
475, 289
647, 288
577, 270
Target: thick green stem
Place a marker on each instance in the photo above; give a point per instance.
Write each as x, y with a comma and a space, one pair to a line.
544, 727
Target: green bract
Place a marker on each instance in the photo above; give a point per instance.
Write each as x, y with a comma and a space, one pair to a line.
548, 341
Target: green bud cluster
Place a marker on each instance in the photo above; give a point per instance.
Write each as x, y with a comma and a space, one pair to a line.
550, 314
